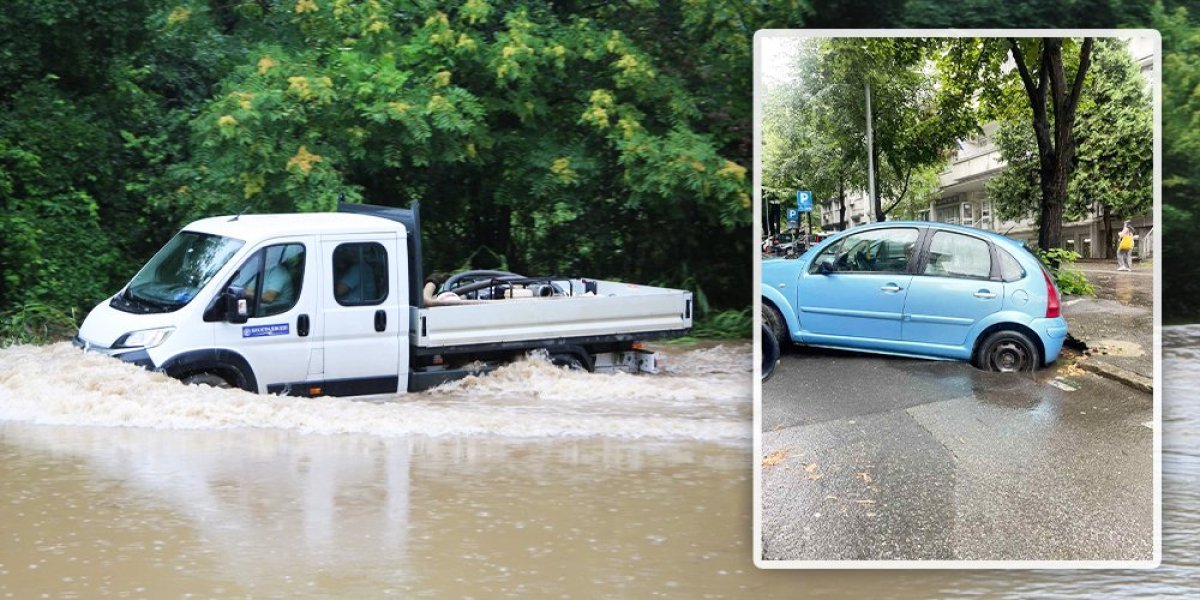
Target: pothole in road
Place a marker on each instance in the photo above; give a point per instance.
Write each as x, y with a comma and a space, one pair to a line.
1116, 348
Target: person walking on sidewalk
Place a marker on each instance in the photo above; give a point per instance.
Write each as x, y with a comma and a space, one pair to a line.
1125, 248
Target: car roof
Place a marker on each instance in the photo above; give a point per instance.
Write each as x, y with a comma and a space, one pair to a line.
991, 235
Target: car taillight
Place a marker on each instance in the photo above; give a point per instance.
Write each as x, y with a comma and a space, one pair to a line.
1053, 307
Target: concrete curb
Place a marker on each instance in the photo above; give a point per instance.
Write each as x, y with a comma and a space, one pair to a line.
1118, 374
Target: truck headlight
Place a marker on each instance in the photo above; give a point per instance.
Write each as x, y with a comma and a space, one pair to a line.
145, 338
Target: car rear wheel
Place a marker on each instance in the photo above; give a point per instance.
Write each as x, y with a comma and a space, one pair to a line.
211, 379
1008, 352
774, 321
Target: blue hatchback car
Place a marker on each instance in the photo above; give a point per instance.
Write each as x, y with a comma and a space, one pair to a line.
920, 289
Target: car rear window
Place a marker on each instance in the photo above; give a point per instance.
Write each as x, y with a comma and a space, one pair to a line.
1010, 269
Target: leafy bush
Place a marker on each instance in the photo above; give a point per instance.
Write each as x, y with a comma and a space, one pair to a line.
727, 324
1070, 281
34, 323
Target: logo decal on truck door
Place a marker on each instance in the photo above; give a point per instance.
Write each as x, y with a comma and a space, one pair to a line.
265, 330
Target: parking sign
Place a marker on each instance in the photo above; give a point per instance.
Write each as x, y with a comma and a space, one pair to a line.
804, 201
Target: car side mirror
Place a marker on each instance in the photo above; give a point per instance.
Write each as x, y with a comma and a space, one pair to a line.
237, 308
825, 268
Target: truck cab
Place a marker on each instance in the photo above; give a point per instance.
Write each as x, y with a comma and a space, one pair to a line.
332, 304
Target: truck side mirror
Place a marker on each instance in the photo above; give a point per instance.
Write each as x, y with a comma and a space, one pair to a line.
237, 308
825, 268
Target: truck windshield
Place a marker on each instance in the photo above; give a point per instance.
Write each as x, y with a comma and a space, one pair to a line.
177, 272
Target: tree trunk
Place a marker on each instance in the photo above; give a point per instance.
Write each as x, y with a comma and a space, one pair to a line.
841, 205
877, 201
1108, 231
1055, 155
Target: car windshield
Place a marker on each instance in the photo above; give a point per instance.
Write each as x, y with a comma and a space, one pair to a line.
178, 272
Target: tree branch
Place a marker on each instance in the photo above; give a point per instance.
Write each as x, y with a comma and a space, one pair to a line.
1085, 59
1019, 58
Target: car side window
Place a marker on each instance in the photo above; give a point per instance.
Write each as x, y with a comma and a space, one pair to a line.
957, 255
872, 251
272, 278
360, 274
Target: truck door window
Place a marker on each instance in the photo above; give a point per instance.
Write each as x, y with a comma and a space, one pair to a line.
360, 274
280, 268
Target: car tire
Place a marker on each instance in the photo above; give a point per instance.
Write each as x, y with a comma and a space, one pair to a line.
209, 379
1008, 351
774, 321
770, 353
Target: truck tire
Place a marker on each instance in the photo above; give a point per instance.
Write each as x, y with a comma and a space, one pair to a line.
209, 379
568, 361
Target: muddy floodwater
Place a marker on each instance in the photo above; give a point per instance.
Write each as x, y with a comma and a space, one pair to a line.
531, 482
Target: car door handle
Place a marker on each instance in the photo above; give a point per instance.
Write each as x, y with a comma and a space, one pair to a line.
985, 294
302, 326
380, 320
891, 288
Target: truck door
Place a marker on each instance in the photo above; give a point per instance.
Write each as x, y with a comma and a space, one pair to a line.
361, 301
281, 335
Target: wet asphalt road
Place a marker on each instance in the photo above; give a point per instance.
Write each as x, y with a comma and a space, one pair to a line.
874, 458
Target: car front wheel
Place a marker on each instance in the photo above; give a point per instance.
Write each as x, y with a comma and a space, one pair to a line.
774, 321
770, 353
1008, 352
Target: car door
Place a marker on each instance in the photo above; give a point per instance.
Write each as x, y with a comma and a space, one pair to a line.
280, 336
956, 287
855, 287
361, 312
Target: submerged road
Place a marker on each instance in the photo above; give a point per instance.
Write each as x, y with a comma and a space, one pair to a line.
874, 458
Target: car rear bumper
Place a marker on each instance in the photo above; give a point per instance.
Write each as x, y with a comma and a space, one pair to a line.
1053, 333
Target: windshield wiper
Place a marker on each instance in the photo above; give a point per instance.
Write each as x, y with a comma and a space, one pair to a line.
146, 304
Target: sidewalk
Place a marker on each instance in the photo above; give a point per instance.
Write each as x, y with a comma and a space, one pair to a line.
1117, 325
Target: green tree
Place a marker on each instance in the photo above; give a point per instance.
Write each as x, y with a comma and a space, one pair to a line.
1053, 102
1112, 173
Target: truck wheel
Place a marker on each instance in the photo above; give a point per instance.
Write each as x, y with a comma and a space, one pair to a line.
210, 379
1008, 352
774, 321
569, 361
770, 353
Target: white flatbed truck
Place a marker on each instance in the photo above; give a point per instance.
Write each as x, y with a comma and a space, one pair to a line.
336, 304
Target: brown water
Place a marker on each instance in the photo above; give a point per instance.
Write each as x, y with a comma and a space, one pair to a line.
535, 482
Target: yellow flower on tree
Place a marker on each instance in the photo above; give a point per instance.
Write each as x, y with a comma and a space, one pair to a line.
442, 79
265, 64
244, 99
179, 15
226, 123
303, 160
299, 86
305, 6
732, 169
561, 167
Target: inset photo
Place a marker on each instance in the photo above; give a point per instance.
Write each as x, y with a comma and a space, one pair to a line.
958, 283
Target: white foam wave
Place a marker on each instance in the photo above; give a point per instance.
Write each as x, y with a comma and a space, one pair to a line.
60, 385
